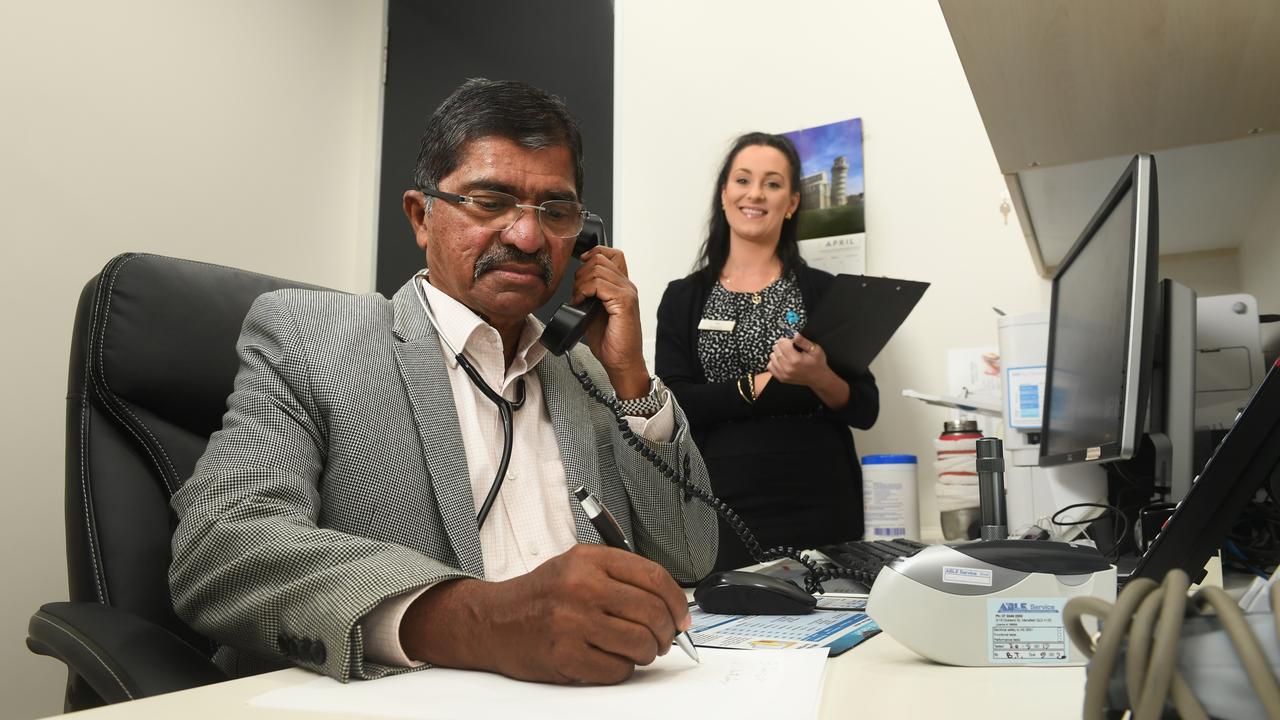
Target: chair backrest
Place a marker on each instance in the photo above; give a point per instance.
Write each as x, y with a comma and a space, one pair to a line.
152, 363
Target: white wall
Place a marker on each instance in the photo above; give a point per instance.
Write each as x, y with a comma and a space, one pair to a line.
1208, 272
691, 76
234, 131
1260, 264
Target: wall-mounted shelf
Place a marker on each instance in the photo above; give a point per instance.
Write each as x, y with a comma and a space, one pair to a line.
1069, 91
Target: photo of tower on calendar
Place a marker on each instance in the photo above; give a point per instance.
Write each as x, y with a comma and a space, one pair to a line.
832, 225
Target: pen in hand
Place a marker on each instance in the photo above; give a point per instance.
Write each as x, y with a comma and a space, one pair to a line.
612, 535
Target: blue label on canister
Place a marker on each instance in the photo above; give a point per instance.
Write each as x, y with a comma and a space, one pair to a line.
889, 460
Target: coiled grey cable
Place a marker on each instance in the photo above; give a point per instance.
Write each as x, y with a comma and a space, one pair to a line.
1149, 616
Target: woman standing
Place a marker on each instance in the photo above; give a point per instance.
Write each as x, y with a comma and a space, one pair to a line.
770, 415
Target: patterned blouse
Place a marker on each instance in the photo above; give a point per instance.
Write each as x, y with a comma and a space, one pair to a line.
759, 318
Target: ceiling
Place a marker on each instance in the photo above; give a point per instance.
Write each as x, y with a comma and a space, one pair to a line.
1070, 90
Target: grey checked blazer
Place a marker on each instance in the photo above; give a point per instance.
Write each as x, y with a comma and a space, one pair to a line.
339, 479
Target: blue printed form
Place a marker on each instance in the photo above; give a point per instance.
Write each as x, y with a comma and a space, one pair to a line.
837, 625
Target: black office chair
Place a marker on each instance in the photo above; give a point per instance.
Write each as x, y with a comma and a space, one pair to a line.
152, 362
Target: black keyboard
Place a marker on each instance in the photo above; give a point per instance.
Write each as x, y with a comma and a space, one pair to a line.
866, 557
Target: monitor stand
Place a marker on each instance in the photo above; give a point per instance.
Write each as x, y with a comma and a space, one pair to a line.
1163, 468
1171, 422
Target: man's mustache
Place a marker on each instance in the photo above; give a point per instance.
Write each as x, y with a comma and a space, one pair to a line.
500, 254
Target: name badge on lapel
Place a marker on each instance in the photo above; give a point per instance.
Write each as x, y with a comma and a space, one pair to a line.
717, 325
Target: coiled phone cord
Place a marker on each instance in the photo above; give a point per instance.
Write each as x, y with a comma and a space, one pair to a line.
1150, 617
814, 575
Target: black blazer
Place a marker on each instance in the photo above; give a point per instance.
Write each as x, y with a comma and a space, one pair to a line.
706, 403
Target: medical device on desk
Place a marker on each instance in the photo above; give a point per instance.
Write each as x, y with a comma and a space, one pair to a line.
989, 603
1032, 493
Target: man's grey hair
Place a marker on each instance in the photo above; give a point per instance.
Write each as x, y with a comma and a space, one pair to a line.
480, 108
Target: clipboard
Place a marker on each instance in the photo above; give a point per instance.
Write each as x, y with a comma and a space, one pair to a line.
858, 315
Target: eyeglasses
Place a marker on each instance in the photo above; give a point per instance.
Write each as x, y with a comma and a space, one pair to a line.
499, 211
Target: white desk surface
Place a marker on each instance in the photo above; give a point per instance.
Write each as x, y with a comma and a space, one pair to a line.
879, 678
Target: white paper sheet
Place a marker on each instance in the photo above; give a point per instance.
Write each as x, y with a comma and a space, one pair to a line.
837, 254
729, 683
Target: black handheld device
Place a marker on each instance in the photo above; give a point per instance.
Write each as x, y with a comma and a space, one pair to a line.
570, 321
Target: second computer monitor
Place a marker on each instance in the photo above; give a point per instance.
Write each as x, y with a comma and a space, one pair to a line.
1101, 328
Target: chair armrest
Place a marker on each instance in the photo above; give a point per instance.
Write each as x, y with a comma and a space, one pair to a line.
120, 655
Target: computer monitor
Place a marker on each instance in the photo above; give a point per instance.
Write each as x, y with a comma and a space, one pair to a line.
1102, 328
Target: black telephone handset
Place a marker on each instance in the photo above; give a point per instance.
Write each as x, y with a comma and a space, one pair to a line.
570, 321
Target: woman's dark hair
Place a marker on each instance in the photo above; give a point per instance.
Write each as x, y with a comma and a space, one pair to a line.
715, 250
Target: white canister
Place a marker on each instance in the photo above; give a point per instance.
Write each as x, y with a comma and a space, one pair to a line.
890, 508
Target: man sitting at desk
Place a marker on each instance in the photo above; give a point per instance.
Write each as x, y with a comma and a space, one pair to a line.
332, 522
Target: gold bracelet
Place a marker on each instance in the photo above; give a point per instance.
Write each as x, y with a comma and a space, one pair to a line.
745, 399
751, 385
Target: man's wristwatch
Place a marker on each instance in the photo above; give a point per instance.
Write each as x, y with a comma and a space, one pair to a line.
647, 405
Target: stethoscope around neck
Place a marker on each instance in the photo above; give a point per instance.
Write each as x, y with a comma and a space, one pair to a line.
505, 407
